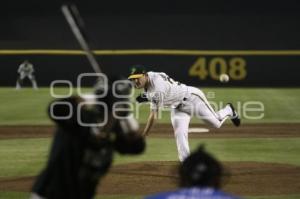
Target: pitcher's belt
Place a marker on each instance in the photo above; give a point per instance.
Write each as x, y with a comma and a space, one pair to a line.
204, 101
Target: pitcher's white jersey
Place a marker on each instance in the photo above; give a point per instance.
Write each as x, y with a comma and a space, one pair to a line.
185, 102
163, 91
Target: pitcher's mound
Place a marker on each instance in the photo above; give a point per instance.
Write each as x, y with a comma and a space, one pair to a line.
246, 178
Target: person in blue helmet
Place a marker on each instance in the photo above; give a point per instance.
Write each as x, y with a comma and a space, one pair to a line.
200, 176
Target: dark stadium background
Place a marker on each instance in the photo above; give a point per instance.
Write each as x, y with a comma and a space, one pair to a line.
169, 25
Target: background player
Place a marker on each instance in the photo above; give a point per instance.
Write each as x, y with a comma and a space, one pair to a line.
26, 70
184, 101
200, 176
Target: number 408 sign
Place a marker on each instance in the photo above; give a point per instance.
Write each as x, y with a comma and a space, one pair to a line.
203, 68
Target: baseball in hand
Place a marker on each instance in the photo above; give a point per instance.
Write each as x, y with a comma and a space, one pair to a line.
224, 78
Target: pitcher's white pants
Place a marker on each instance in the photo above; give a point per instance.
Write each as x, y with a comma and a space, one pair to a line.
195, 105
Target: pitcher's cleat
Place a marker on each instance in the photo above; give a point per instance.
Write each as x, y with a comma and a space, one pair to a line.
235, 117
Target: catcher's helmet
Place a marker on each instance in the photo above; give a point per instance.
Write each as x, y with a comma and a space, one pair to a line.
200, 169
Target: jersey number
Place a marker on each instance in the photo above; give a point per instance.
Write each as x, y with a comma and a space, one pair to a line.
169, 79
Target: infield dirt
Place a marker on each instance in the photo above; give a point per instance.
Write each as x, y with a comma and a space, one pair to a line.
246, 178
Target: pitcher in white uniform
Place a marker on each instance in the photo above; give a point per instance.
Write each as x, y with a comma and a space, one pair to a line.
184, 101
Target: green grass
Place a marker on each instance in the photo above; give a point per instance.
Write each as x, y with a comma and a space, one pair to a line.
279, 105
23, 157
26, 157
281, 150
14, 195
28, 107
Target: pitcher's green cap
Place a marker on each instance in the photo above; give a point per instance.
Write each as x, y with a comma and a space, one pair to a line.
137, 71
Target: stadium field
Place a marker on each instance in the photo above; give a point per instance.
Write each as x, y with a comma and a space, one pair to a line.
28, 107
262, 155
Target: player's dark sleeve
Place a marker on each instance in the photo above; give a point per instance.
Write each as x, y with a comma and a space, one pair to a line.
130, 143
142, 98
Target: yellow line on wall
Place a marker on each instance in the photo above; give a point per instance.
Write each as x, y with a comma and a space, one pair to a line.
152, 52
41, 52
